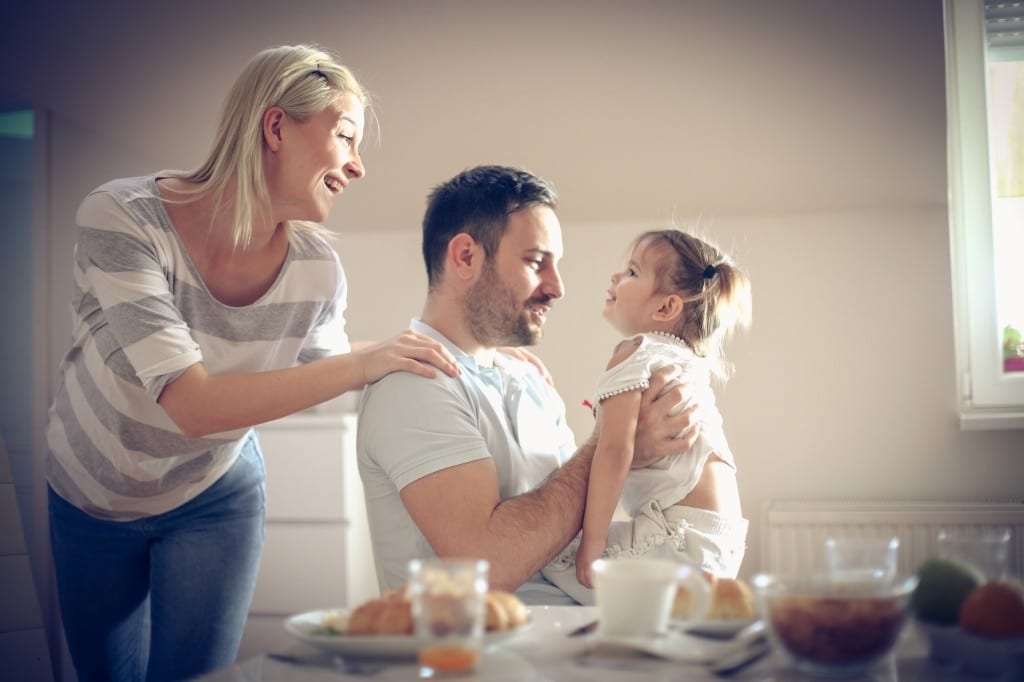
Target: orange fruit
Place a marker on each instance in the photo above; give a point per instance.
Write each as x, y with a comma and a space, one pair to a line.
995, 609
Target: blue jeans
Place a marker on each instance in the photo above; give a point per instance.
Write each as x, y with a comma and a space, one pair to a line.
164, 597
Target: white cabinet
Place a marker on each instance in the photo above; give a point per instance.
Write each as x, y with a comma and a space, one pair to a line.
317, 552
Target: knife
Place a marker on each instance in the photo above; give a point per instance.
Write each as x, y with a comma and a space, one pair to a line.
584, 629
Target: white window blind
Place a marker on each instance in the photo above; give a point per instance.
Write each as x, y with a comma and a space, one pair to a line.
1004, 29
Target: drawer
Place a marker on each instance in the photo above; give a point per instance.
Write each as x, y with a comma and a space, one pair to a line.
308, 462
17, 594
12, 539
26, 655
304, 567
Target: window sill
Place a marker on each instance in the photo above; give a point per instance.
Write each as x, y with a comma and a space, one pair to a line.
977, 419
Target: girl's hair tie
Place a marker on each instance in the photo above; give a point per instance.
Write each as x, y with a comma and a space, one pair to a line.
710, 271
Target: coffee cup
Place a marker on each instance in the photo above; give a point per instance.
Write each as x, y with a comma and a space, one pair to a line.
635, 596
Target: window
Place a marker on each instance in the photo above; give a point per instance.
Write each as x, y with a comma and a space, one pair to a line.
985, 117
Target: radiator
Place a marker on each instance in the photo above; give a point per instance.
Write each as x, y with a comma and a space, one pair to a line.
793, 533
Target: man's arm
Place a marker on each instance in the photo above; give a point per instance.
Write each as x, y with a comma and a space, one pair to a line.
460, 513
458, 508
660, 433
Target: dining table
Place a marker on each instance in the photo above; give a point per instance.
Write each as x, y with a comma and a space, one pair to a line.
551, 648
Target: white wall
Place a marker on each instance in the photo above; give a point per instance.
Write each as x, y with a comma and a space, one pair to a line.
844, 386
807, 136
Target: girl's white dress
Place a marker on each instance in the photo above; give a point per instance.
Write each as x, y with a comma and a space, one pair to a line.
658, 526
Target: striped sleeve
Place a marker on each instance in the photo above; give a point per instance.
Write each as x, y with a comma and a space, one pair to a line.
328, 336
117, 262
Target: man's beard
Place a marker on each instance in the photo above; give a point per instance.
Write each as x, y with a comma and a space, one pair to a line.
495, 317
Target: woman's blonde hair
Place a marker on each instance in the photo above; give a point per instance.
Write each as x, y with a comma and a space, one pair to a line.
301, 79
715, 291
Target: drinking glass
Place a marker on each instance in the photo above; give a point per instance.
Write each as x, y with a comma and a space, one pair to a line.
448, 611
985, 548
863, 559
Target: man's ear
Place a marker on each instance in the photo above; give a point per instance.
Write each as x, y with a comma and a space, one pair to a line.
272, 120
465, 256
671, 309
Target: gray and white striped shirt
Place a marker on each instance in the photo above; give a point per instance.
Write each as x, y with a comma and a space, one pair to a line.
141, 315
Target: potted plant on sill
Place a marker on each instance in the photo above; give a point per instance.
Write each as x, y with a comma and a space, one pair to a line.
1013, 350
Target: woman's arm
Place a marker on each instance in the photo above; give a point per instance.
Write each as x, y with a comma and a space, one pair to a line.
202, 404
526, 356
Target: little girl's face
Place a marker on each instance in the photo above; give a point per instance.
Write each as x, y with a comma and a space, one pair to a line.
633, 296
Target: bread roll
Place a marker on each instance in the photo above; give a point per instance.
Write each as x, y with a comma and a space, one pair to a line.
731, 599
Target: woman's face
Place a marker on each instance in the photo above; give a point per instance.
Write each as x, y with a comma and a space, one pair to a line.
315, 160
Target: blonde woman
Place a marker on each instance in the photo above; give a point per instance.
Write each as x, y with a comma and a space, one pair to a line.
205, 302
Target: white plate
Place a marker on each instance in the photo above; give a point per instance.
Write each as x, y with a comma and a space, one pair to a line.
718, 628
675, 646
309, 628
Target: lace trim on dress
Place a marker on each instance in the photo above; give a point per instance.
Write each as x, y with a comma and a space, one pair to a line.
671, 337
638, 550
567, 557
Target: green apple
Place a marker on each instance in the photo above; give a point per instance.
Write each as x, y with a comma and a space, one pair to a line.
942, 586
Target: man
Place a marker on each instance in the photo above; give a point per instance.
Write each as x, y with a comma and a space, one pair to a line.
484, 464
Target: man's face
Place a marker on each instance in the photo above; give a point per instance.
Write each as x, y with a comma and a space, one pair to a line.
509, 303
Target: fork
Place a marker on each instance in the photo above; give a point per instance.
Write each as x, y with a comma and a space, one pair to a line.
343, 665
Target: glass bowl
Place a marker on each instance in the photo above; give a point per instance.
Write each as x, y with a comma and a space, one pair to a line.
829, 625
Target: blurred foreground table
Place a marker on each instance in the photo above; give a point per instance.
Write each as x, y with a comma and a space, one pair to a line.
545, 652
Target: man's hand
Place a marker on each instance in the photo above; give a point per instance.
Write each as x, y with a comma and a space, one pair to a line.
658, 432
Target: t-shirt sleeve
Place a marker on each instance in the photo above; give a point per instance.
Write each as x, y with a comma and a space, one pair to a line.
329, 336
411, 426
118, 263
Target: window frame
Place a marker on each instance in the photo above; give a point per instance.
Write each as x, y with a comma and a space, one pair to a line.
988, 398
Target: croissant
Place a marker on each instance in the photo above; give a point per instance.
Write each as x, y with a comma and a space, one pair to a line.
391, 614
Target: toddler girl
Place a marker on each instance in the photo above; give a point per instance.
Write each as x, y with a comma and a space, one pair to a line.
676, 301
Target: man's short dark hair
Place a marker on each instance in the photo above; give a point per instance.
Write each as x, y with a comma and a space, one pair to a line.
478, 202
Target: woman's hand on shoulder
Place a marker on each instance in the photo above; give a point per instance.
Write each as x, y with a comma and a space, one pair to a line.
520, 353
407, 351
